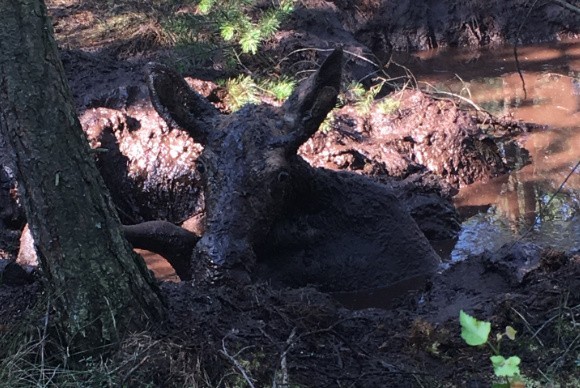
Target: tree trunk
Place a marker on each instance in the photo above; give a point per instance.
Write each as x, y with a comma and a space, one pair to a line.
99, 288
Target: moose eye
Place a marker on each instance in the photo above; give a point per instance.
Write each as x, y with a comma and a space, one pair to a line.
200, 167
283, 176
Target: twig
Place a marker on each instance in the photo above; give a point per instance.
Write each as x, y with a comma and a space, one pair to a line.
240, 62
455, 95
130, 372
408, 72
283, 361
545, 376
565, 351
327, 50
548, 203
44, 337
519, 70
238, 366
465, 87
529, 327
516, 49
567, 5
535, 333
328, 329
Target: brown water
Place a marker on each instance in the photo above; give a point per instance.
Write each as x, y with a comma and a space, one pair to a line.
524, 204
158, 265
520, 203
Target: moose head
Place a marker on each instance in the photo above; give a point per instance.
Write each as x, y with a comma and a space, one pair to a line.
248, 157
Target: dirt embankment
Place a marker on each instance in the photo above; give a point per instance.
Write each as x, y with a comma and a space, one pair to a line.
419, 25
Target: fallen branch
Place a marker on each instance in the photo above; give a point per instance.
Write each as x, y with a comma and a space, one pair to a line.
567, 5
238, 366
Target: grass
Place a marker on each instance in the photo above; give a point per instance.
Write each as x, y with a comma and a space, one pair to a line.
140, 361
200, 34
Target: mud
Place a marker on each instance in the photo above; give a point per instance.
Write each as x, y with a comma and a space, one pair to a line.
220, 337
304, 337
151, 170
422, 25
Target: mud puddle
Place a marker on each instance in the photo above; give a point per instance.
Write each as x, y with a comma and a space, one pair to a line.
383, 297
527, 203
159, 266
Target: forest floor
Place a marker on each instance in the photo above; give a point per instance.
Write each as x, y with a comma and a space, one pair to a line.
262, 336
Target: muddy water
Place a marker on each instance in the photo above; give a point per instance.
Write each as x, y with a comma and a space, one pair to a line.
159, 266
524, 204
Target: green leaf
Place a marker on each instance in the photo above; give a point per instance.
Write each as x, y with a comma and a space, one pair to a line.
388, 105
503, 367
241, 91
287, 6
473, 331
326, 125
281, 89
269, 24
510, 332
357, 90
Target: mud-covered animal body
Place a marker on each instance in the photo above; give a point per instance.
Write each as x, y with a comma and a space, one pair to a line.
269, 213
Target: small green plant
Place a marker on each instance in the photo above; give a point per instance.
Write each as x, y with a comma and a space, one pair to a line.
475, 333
241, 90
241, 21
388, 105
280, 89
365, 99
244, 90
217, 31
328, 123
362, 97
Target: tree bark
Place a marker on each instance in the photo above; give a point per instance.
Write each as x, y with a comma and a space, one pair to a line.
99, 288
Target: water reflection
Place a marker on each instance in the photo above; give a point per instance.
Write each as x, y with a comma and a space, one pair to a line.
521, 203
521, 211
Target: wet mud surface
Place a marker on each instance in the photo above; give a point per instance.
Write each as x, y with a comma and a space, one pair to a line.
404, 336
308, 338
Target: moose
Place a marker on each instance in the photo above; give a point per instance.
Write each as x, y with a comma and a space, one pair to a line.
268, 213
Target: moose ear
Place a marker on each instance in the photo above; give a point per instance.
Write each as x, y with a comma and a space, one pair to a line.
308, 106
178, 104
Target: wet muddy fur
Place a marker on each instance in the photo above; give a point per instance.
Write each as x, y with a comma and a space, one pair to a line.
270, 214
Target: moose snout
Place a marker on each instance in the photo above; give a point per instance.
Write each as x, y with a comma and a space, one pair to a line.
225, 256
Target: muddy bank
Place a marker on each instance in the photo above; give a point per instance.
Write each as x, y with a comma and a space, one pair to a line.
421, 25
218, 337
309, 338
369, 30
150, 168
373, 30
458, 145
